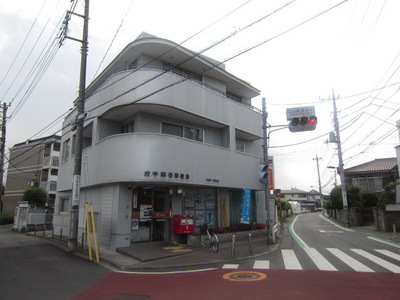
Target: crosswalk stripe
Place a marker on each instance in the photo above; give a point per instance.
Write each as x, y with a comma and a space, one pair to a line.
378, 260
261, 264
389, 253
230, 266
290, 260
322, 263
351, 262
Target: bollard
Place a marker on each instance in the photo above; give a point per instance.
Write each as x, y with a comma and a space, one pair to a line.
44, 230
233, 245
61, 234
250, 245
394, 229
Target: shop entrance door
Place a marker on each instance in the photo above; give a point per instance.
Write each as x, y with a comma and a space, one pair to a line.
150, 214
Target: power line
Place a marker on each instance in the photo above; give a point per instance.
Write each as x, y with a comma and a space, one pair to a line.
213, 65
21, 47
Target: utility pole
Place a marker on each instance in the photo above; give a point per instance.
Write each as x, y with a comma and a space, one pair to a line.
319, 183
80, 108
2, 152
266, 186
340, 156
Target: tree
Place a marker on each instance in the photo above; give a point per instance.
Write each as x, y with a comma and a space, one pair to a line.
354, 196
369, 199
336, 198
35, 195
388, 196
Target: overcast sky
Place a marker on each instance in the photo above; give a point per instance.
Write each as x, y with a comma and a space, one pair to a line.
307, 50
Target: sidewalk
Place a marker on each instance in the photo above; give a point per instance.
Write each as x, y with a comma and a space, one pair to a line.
160, 255
153, 256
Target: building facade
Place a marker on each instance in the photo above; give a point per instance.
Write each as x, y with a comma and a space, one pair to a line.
307, 200
32, 163
373, 176
166, 132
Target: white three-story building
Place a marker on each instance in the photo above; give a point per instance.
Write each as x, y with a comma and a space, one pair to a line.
167, 132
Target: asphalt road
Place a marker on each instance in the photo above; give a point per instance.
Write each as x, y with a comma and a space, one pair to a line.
34, 268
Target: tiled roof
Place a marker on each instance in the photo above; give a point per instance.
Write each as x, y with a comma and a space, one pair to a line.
293, 191
377, 165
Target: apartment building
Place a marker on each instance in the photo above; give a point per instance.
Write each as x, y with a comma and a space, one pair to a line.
32, 163
166, 132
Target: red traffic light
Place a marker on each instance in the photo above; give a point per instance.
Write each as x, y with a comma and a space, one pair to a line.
312, 120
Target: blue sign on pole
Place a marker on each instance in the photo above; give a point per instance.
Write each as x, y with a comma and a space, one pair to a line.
245, 213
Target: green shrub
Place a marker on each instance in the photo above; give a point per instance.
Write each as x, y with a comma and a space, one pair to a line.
6, 219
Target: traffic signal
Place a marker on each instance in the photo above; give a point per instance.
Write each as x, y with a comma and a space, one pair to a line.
303, 124
263, 172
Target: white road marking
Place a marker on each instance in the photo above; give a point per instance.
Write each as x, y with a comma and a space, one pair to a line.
290, 260
389, 253
261, 264
348, 260
230, 266
322, 263
387, 265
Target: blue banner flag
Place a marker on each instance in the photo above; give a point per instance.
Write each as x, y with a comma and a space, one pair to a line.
245, 213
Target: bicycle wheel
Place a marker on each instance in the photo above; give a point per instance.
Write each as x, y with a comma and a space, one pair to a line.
214, 242
205, 241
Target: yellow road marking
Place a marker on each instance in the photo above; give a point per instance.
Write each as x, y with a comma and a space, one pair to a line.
177, 249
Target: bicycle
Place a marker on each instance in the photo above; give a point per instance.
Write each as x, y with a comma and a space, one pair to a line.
208, 239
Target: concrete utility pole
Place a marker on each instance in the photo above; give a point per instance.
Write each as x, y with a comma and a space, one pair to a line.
319, 183
266, 189
339, 145
2, 152
80, 107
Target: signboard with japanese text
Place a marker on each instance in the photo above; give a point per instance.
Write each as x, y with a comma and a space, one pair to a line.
298, 112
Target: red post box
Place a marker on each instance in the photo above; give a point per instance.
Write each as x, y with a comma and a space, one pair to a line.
183, 224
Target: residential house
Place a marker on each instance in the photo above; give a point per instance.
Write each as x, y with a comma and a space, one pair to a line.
373, 176
307, 200
32, 163
167, 132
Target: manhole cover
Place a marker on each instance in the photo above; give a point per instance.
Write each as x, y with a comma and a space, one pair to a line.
245, 276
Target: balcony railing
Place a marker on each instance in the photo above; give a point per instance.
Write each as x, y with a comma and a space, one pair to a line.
50, 161
188, 76
50, 186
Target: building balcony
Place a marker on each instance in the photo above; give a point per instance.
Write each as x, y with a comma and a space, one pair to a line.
49, 186
153, 158
49, 162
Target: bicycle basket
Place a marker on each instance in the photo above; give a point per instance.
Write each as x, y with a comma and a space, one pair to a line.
203, 229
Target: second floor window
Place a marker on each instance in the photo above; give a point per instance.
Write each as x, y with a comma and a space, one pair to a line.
183, 131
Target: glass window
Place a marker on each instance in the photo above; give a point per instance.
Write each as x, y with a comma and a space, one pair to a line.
240, 146
172, 129
66, 149
87, 136
64, 204
73, 144
187, 132
193, 134
127, 128
56, 147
